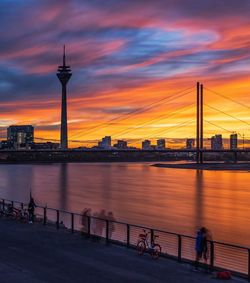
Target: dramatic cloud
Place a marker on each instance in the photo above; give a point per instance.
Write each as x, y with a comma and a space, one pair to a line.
124, 55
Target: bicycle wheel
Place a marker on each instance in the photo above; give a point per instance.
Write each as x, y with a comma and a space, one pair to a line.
25, 217
14, 215
156, 251
141, 247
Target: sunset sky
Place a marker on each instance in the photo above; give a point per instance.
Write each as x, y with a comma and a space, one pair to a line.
140, 57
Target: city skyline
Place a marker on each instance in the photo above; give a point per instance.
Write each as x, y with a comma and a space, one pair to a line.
124, 63
22, 137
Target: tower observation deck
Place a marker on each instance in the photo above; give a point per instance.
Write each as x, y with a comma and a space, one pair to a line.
64, 74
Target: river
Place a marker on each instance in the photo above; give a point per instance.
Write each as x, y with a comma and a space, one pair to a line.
178, 200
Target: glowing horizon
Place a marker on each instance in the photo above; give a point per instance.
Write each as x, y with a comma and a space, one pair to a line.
124, 56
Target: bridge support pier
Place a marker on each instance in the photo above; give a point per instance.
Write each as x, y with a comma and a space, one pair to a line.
198, 123
201, 123
235, 156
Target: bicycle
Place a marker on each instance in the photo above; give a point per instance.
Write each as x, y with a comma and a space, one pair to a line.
8, 211
14, 213
144, 245
21, 215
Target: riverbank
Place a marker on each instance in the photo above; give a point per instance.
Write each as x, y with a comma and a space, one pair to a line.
37, 253
208, 166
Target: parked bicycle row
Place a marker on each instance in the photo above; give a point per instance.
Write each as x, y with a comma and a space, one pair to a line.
25, 213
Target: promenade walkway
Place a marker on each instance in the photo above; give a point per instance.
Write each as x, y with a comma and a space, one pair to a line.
37, 253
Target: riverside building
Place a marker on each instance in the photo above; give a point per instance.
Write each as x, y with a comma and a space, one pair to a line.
216, 142
233, 141
20, 136
190, 143
146, 144
161, 144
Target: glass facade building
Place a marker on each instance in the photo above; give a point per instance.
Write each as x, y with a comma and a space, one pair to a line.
20, 135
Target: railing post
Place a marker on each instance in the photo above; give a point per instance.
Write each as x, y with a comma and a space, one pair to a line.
57, 219
152, 236
21, 205
3, 204
44, 215
89, 223
248, 277
128, 235
12, 203
179, 248
211, 256
72, 223
107, 231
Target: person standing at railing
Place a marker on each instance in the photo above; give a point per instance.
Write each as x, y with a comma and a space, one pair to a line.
100, 223
84, 219
111, 219
31, 210
201, 247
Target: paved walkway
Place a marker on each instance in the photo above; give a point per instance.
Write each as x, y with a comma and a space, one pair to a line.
37, 253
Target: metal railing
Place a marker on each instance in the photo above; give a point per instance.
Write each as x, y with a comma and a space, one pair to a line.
177, 246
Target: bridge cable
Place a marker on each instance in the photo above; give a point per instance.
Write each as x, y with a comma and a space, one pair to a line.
135, 112
219, 94
159, 118
170, 129
227, 114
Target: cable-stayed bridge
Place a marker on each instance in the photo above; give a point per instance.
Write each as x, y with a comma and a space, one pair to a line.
197, 104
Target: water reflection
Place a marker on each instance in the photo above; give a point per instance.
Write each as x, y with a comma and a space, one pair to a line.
199, 205
63, 186
169, 199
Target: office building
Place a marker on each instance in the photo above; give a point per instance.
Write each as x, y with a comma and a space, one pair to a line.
216, 142
161, 144
4, 144
20, 136
190, 143
146, 144
121, 144
233, 141
105, 143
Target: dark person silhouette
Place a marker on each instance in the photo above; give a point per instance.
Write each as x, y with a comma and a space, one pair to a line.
31, 210
201, 247
84, 219
111, 218
101, 222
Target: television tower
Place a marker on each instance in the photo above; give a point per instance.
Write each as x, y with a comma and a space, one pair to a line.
64, 74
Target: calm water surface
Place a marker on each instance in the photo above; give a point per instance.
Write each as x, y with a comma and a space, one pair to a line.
177, 200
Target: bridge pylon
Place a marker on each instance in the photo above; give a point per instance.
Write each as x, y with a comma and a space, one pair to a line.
199, 122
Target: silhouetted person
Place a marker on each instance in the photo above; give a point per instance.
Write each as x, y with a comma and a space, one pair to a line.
111, 218
101, 222
9, 209
31, 210
84, 220
94, 224
201, 247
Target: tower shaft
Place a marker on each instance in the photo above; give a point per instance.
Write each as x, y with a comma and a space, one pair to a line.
64, 74
64, 123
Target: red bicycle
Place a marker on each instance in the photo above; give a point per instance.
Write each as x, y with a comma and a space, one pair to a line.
145, 245
21, 214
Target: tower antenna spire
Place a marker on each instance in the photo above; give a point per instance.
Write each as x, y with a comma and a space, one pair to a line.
64, 57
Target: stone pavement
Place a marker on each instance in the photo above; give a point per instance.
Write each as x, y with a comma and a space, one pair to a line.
37, 253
